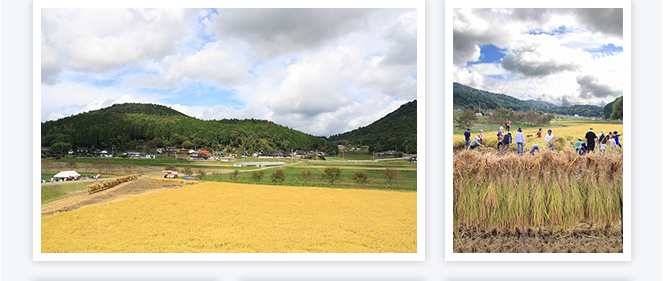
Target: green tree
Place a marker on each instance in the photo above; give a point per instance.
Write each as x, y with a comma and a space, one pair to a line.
233, 176
306, 176
332, 175
465, 119
361, 178
257, 175
187, 144
71, 164
278, 176
618, 109
59, 149
392, 176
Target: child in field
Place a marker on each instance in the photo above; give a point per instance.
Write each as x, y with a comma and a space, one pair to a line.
534, 147
617, 139
480, 136
475, 142
550, 139
538, 134
467, 135
613, 143
603, 141
499, 139
578, 145
506, 141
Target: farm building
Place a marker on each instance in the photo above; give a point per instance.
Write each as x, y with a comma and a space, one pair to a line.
258, 164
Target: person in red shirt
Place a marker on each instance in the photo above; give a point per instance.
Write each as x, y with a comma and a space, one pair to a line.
508, 125
480, 136
538, 134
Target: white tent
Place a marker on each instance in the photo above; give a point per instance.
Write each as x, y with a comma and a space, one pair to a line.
66, 174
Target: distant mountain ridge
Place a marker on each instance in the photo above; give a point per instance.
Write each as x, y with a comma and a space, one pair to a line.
466, 96
132, 126
396, 130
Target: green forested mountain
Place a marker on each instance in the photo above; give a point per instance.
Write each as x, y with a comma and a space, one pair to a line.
465, 96
397, 129
124, 126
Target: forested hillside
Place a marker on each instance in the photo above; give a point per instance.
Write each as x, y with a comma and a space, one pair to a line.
124, 126
468, 97
397, 130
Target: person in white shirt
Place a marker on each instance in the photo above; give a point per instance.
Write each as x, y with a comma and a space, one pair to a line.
520, 141
550, 139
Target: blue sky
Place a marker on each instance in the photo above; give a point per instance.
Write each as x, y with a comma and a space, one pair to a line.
302, 68
562, 56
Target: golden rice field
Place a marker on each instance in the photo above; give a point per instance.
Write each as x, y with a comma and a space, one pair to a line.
558, 191
565, 136
240, 218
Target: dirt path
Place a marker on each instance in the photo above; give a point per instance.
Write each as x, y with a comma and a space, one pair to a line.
120, 192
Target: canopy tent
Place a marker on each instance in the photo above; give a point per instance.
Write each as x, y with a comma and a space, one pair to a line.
66, 174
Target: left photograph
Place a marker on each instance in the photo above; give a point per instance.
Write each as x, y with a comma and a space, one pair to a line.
248, 130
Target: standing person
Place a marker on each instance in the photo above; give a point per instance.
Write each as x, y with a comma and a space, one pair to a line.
506, 141
467, 137
612, 142
538, 134
577, 145
617, 139
550, 139
500, 131
480, 136
520, 140
475, 142
508, 125
499, 139
590, 139
603, 141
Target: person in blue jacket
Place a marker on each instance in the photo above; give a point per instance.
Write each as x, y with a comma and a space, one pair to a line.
467, 137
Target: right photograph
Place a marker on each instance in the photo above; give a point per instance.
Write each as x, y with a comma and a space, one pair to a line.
537, 136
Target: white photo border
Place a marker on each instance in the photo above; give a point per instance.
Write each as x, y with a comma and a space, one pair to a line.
38, 5
449, 255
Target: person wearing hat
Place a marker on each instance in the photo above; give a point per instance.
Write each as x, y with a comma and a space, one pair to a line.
467, 137
480, 136
520, 141
506, 141
475, 142
617, 139
590, 139
577, 145
550, 139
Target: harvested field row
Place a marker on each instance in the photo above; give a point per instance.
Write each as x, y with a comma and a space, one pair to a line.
240, 218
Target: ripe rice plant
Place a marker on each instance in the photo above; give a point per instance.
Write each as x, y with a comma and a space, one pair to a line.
551, 190
103, 185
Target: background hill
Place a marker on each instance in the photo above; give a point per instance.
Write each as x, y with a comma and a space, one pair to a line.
466, 96
397, 129
125, 126
134, 126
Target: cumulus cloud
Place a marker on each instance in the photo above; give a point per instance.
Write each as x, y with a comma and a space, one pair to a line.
606, 21
273, 32
591, 87
541, 55
469, 31
464, 76
98, 40
321, 71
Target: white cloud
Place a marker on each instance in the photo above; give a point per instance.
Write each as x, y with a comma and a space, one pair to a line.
322, 71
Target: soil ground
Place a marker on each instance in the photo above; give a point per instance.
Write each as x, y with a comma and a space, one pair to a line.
536, 242
120, 192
